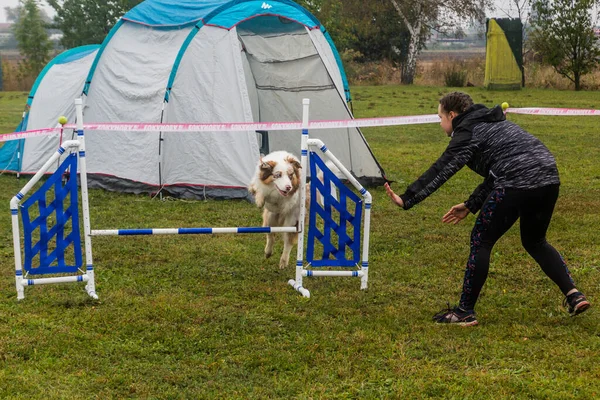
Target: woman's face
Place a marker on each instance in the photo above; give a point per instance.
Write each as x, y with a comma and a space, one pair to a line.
446, 119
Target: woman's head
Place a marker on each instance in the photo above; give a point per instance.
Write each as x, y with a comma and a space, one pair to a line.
458, 102
450, 106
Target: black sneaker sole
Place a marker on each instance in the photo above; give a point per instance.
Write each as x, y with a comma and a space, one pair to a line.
580, 307
463, 324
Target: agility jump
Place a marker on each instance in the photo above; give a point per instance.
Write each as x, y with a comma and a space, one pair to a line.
325, 229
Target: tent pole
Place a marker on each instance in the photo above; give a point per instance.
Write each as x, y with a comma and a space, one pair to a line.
160, 140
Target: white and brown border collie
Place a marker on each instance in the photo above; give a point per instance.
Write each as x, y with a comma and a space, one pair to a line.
275, 189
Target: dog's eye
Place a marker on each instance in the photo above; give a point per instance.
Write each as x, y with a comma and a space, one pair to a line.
277, 174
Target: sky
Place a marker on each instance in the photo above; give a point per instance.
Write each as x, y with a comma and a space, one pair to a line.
501, 5
14, 3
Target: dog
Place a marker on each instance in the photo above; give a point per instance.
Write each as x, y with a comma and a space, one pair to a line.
275, 187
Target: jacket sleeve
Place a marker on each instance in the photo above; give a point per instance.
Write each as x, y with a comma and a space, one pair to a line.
457, 154
479, 195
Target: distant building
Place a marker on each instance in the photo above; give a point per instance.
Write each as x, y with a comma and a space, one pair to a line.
5, 30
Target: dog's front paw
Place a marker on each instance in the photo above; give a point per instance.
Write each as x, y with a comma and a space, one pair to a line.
268, 252
283, 263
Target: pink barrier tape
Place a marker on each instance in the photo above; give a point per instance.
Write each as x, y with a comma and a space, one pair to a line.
233, 127
280, 126
23, 135
261, 126
552, 111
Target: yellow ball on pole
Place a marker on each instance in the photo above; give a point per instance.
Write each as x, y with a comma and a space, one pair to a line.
62, 120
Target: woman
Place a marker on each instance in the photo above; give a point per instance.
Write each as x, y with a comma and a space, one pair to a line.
521, 181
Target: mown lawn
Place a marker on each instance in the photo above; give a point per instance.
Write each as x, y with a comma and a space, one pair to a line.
208, 317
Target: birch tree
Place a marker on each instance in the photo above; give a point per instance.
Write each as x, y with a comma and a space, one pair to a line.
420, 17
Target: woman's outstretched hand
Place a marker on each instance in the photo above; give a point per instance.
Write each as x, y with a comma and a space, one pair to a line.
456, 214
395, 198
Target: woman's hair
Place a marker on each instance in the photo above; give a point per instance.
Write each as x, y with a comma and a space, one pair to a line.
458, 102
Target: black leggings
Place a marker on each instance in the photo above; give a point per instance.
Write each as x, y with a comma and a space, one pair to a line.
500, 211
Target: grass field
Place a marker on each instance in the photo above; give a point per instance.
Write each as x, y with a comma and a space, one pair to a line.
208, 317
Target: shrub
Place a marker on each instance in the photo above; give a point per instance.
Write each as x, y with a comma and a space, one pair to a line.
15, 77
432, 71
455, 77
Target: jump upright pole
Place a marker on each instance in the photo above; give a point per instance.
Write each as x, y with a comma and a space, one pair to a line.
85, 204
297, 283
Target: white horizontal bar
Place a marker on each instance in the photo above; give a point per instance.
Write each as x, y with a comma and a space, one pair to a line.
193, 231
59, 279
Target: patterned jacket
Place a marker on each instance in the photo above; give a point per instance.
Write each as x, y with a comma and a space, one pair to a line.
502, 152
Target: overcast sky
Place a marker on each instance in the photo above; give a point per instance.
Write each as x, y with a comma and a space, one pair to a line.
14, 3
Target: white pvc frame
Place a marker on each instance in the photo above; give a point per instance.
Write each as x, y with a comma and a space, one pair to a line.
88, 276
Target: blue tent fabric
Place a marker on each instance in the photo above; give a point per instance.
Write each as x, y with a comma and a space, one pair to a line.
234, 15
8, 153
223, 13
172, 13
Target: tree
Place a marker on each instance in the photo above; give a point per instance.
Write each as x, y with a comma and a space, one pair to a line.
331, 14
420, 17
87, 21
32, 38
563, 34
369, 28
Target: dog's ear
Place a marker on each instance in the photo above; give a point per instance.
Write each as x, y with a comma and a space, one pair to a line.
265, 165
266, 168
295, 163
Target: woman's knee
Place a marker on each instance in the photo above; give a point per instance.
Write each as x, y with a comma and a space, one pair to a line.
533, 246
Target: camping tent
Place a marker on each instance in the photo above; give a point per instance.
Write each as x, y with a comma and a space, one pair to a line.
196, 61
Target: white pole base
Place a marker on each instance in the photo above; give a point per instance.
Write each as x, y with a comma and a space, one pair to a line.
61, 279
299, 288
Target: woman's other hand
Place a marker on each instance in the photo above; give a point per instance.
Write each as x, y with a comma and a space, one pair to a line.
456, 214
395, 198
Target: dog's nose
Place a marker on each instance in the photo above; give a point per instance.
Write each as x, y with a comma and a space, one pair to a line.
288, 187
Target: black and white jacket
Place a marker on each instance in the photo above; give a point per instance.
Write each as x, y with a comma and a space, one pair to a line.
502, 152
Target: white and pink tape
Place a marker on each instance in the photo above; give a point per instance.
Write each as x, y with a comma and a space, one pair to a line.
280, 126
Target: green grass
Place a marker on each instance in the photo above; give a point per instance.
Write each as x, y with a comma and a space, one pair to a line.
208, 317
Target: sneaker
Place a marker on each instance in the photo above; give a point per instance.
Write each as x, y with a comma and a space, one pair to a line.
456, 316
576, 303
